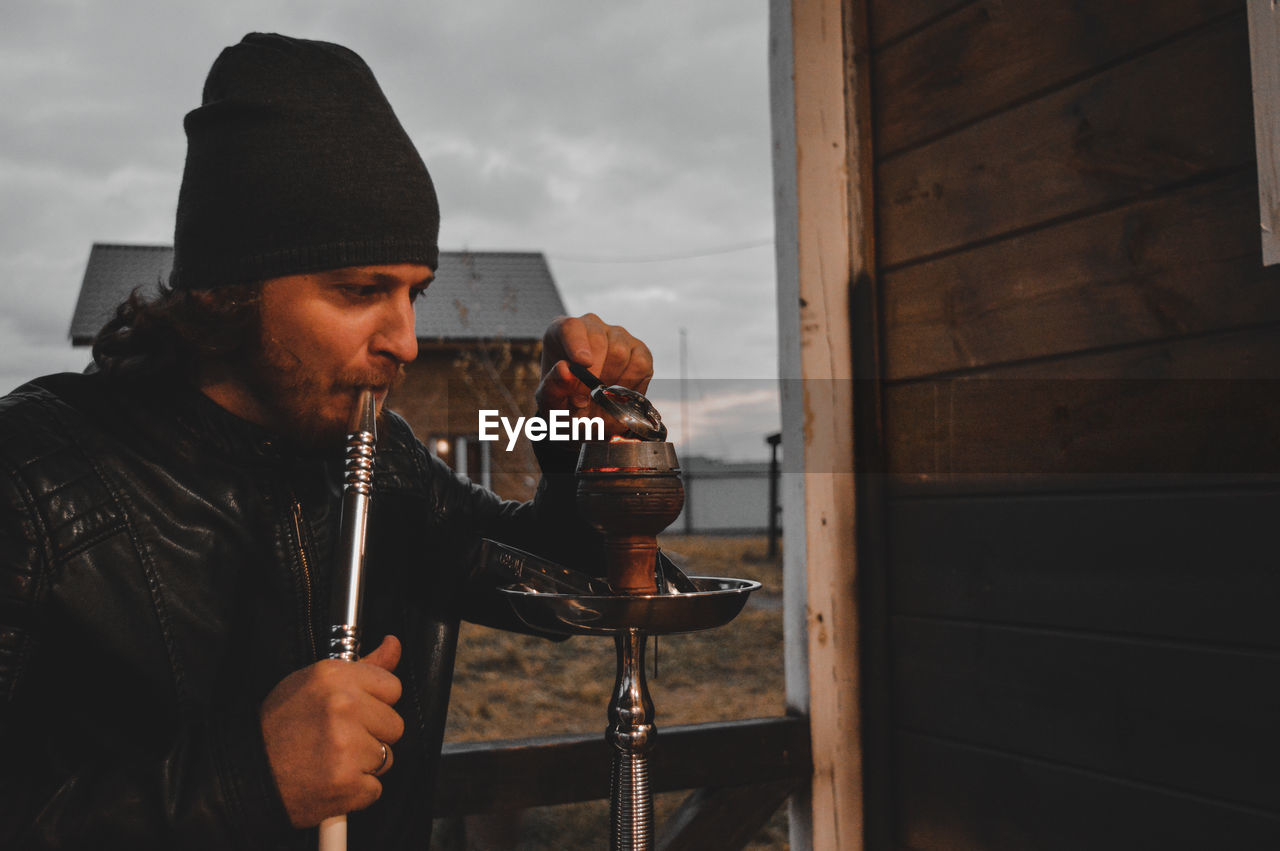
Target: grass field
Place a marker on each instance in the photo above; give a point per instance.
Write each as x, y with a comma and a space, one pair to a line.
514, 686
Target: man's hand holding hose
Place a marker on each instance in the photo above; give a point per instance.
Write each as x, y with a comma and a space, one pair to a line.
325, 727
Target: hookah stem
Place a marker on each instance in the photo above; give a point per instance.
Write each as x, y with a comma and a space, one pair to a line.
631, 732
348, 580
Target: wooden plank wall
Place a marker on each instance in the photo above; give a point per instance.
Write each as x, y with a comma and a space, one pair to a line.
1080, 364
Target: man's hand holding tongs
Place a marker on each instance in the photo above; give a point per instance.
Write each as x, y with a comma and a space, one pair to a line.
609, 351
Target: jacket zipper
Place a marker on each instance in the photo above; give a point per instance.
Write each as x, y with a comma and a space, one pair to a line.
306, 575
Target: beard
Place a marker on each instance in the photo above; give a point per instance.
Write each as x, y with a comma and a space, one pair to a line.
304, 405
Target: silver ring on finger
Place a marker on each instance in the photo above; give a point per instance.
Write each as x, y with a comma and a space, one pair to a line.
386, 759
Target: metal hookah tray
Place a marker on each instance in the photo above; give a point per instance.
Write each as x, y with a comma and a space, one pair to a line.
715, 602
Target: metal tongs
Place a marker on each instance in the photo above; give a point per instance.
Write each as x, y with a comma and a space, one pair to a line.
630, 408
505, 565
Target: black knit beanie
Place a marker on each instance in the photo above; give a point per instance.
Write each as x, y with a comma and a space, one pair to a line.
296, 163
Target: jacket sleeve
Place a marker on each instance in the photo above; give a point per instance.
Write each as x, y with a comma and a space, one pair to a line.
66, 781
548, 525
463, 513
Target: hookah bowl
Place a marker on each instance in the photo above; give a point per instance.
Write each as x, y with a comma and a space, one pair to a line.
630, 491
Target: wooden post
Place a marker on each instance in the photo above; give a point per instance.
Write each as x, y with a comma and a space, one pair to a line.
822, 211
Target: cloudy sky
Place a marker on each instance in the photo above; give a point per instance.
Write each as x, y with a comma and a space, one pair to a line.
628, 142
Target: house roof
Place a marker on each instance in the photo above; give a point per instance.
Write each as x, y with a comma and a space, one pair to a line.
477, 295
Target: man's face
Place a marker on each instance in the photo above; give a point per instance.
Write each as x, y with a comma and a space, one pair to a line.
326, 335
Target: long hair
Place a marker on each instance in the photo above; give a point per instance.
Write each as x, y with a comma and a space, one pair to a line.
173, 334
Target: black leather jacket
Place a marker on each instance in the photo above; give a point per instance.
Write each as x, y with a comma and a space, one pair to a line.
164, 564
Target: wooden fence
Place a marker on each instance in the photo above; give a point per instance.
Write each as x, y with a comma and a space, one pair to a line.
739, 772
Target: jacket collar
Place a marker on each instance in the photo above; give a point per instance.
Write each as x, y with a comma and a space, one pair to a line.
205, 420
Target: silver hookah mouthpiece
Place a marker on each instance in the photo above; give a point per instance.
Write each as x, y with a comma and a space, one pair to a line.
357, 491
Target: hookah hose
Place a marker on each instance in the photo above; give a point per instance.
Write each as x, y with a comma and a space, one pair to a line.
348, 580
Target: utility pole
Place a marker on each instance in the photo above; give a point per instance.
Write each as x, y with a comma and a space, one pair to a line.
685, 441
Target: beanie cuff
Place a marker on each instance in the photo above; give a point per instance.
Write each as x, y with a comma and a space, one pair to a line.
302, 259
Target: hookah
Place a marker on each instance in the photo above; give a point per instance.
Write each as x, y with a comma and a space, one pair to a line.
629, 490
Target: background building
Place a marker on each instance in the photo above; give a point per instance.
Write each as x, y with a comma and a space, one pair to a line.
723, 497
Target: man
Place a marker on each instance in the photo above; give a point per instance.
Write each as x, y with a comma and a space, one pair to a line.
168, 520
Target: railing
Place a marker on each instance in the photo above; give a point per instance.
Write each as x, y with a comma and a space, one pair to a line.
740, 771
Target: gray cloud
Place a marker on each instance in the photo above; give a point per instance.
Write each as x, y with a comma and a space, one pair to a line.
577, 128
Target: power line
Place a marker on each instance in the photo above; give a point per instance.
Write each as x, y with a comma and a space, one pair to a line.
667, 258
